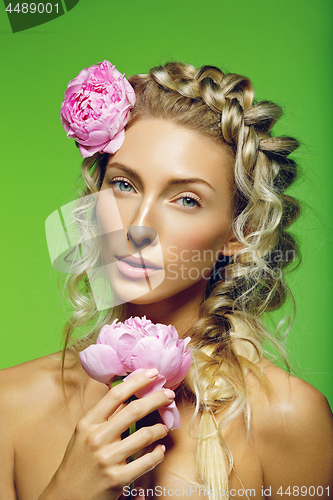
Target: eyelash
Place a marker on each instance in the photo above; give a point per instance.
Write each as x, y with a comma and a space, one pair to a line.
188, 196
120, 179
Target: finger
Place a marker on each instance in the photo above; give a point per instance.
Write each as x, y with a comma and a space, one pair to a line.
140, 466
118, 395
118, 452
111, 430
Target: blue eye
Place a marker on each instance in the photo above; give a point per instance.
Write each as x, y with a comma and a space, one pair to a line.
188, 202
124, 186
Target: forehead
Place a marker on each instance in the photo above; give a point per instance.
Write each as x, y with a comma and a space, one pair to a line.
162, 147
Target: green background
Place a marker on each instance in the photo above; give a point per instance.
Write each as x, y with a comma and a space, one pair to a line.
283, 46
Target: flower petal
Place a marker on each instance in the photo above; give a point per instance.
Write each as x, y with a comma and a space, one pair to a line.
148, 353
125, 346
101, 362
115, 143
176, 379
170, 416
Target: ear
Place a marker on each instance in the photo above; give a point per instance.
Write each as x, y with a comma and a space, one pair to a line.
232, 246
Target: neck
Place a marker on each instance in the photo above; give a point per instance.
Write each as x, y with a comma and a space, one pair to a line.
180, 310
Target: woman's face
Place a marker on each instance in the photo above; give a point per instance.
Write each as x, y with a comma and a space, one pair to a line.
173, 189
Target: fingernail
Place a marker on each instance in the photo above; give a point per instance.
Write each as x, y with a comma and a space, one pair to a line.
166, 428
163, 448
151, 373
169, 393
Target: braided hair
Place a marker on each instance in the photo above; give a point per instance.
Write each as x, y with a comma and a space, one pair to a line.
227, 340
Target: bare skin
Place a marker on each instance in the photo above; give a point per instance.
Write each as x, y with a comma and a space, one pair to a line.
291, 441
53, 451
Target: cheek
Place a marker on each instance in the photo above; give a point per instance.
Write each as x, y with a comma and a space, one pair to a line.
198, 246
107, 212
112, 235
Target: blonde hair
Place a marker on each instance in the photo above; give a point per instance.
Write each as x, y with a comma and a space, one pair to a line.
227, 340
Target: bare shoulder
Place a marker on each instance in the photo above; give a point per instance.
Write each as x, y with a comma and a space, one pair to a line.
287, 399
35, 386
24, 385
293, 429
25, 392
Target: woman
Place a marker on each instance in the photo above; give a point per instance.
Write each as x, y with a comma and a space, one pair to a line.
197, 178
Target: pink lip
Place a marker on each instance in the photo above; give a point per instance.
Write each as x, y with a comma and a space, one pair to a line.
132, 267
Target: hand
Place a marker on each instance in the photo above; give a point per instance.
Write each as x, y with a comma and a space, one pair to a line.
94, 466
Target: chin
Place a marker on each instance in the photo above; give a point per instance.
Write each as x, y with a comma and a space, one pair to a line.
176, 295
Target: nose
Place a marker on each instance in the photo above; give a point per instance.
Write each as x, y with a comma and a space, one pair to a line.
140, 236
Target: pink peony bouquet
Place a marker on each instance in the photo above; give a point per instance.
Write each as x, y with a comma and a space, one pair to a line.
137, 345
96, 108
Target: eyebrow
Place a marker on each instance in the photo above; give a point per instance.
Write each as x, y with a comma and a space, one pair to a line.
172, 181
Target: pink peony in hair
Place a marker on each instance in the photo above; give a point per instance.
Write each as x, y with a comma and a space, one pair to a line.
96, 108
